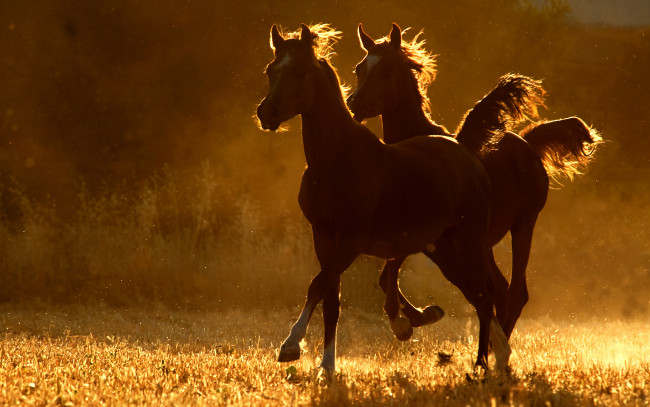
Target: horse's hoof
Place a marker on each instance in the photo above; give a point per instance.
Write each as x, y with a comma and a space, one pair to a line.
429, 315
327, 368
289, 353
326, 375
402, 328
432, 314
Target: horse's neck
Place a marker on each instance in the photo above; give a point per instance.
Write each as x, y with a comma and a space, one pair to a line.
327, 128
404, 122
408, 118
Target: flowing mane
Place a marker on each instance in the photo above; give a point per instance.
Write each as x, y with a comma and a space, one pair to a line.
422, 64
334, 80
323, 39
513, 100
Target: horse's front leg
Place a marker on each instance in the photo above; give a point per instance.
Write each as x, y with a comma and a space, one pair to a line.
290, 349
522, 235
325, 286
331, 311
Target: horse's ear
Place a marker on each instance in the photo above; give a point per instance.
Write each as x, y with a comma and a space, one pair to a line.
306, 36
276, 38
396, 36
364, 39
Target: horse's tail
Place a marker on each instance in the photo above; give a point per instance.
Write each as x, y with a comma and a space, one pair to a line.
565, 146
513, 99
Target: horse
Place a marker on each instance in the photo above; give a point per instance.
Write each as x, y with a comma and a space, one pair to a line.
392, 80
362, 196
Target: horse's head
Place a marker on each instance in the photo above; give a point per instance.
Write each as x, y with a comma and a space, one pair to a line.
375, 89
291, 90
387, 69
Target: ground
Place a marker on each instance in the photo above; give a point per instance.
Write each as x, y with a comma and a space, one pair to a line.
91, 355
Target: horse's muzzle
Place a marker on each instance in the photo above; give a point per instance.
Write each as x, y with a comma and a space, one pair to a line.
268, 115
354, 107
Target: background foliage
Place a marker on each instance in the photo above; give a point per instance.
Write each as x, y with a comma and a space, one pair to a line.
133, 171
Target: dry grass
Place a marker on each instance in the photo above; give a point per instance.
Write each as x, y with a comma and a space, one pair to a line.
197, 248
100, 355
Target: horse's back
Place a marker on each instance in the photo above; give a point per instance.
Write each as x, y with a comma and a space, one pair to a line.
459, 167
430, 184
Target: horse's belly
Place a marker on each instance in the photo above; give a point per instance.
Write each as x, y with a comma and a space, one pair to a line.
391, 244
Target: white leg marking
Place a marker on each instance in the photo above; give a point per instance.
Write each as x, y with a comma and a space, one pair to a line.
290, 349
329, 356
501, 347
299, 329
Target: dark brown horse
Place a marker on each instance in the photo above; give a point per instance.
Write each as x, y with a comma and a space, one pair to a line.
361, 196
387, 85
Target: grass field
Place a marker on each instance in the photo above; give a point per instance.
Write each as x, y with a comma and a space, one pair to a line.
98, 355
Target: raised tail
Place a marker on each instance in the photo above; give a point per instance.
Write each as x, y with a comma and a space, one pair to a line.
565, 146
513, 99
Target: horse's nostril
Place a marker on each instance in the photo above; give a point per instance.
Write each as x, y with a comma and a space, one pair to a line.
267, 109
273, 109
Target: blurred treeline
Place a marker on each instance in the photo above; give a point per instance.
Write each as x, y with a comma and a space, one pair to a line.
133, 170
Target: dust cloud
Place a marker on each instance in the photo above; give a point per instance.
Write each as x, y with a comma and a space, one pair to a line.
127, 133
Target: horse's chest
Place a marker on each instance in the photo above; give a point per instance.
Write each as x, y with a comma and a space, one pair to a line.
334, 202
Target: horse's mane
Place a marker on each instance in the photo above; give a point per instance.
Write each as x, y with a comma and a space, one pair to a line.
333, 78
323, 42
325, 37
421, 62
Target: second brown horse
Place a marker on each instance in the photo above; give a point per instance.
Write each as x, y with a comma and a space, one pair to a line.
518, 166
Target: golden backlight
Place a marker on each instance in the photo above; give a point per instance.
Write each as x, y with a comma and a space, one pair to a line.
133, 177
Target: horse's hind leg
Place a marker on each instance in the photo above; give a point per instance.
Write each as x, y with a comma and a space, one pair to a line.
416, 316
522, 236
501, 346
468, 268
490, 330
499, 284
